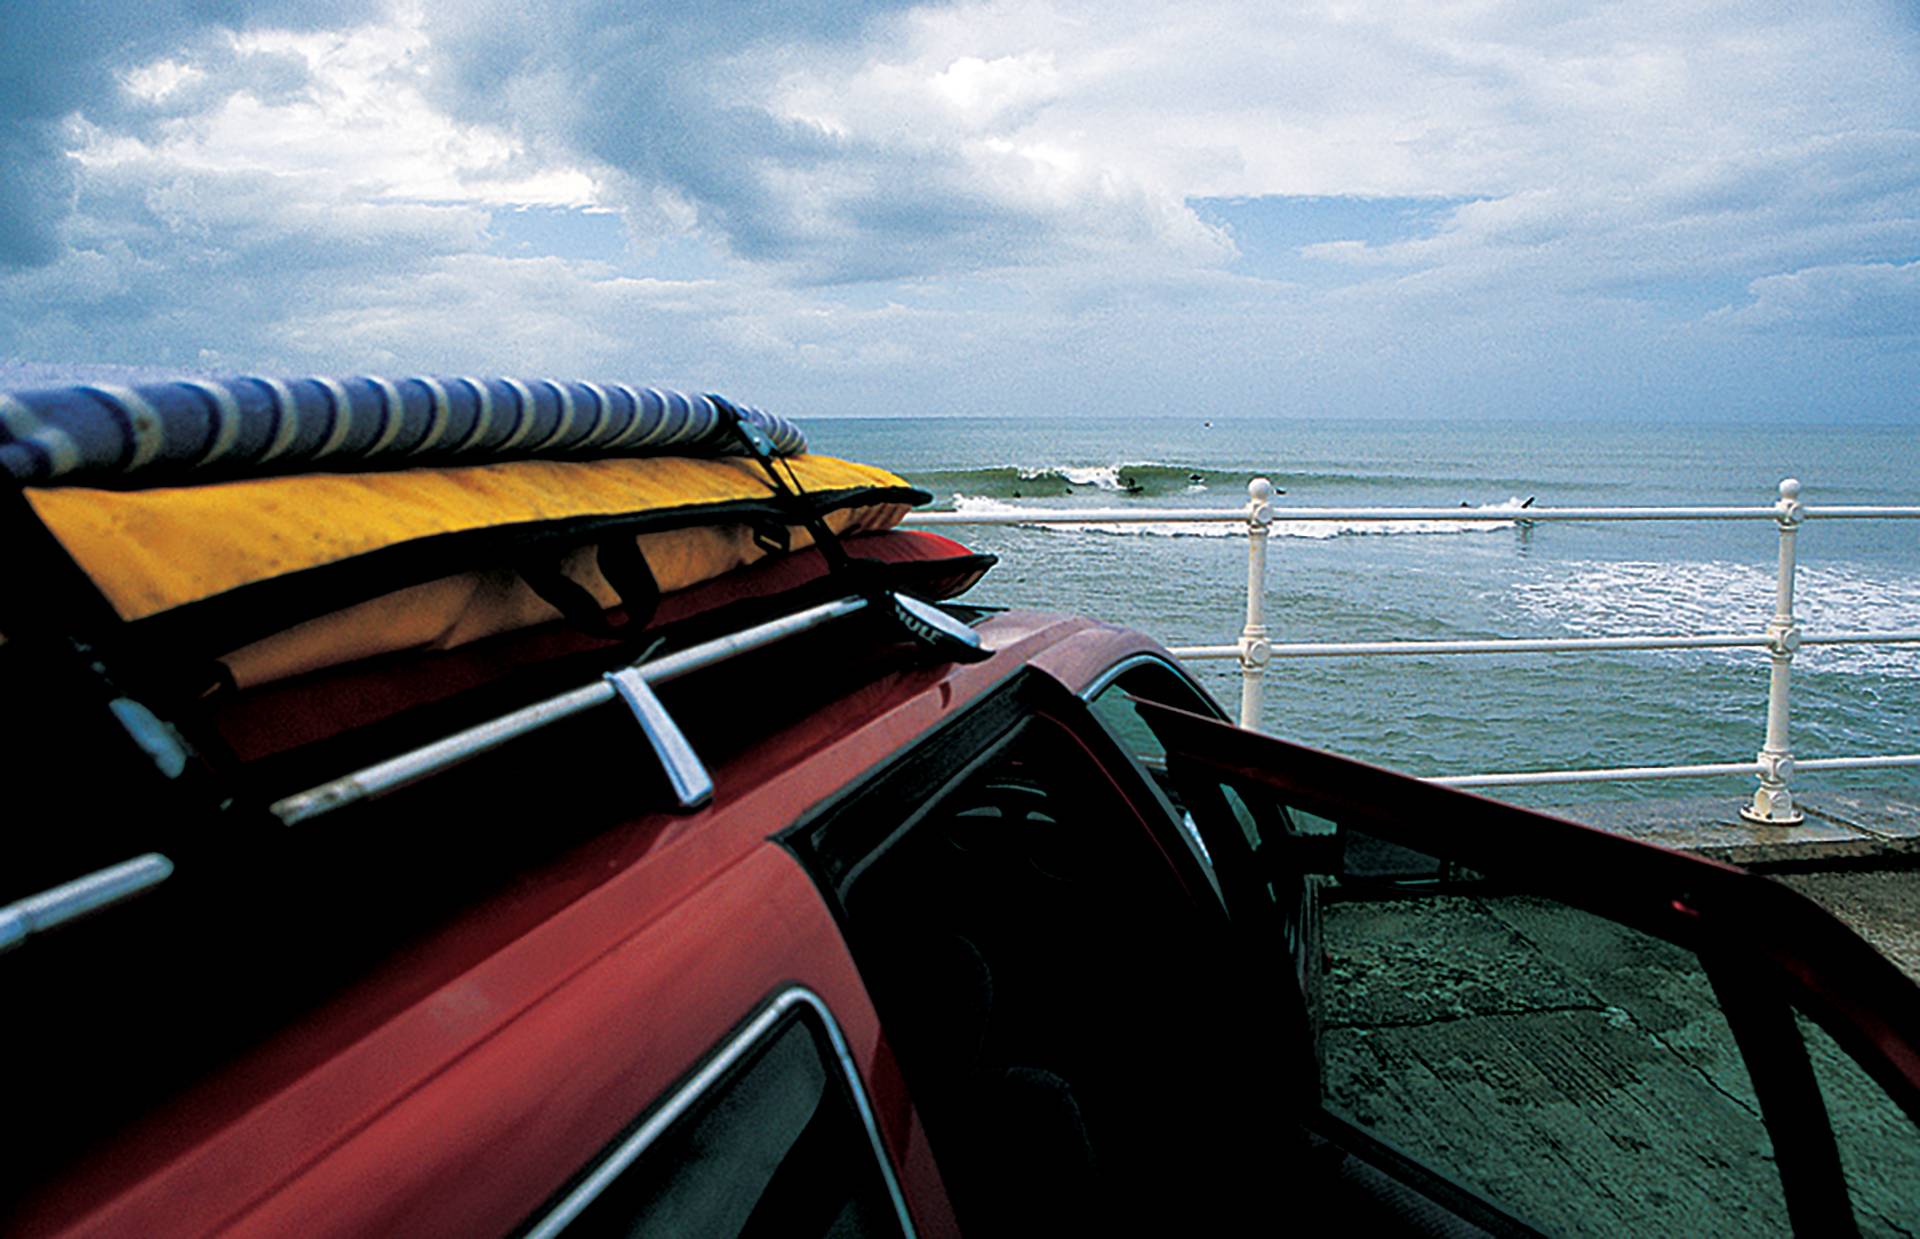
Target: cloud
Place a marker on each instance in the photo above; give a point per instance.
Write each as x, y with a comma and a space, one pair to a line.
661, 99
163, 263
58, 61
875, 142
343, 110
881, 203
1851, 301
792, 140
34, 191
1700, 225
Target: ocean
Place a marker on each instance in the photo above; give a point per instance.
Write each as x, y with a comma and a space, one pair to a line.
1461, 714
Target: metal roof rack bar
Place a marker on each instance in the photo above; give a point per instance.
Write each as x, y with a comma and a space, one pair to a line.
72, 900
692, 785
398, 772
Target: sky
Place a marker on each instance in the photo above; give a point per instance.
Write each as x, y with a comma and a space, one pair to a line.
1675, 210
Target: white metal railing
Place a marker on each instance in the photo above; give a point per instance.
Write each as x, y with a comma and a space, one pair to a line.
1775, 764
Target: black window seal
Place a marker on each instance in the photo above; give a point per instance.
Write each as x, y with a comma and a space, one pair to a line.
794, 1002
1792, 1104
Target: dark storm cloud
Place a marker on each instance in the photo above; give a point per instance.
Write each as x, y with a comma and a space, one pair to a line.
65, 58
672, 99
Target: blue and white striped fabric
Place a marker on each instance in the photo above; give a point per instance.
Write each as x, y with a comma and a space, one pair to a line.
209, 429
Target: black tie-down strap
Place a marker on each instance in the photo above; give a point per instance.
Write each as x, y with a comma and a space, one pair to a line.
923, 622
623, 565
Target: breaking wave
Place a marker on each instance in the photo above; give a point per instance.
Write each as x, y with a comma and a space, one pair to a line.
1059, 481
1232, 527
1148, 479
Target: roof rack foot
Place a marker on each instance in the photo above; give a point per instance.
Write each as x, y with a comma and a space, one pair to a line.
692, 785
934, 628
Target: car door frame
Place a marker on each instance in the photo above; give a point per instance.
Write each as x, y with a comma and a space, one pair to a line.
1768, 950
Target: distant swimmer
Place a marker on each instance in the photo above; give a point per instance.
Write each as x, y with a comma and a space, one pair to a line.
1196, 477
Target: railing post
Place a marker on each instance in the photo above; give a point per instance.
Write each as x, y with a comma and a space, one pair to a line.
1255, 649
1772, 801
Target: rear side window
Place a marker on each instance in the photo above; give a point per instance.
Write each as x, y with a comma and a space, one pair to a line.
769, 1138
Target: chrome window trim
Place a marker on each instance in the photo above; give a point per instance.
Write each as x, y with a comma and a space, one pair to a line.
688, 1094
1105, 680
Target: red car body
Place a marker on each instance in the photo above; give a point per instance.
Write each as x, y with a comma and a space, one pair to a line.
474, 1078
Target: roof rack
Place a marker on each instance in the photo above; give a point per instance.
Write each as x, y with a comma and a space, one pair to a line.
924, 623
72, 900
692, 785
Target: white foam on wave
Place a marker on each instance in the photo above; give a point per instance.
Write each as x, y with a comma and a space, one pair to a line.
1333, 529
1596, 598
1233, 527
982, 505
1099, 477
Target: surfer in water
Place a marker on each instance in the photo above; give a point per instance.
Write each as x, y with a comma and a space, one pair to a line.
1521, 522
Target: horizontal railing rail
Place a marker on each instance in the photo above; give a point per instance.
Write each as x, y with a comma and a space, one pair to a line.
1544, 645
1497, 516
1774, 765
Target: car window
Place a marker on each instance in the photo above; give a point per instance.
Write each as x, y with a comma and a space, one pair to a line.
767, 1139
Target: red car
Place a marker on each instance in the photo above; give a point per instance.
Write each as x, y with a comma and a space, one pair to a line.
849, 914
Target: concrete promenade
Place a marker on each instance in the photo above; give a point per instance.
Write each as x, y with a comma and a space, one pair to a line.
1842, 828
